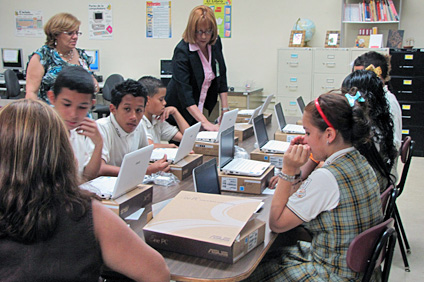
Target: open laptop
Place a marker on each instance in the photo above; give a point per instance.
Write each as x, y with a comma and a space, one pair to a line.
229, 165
263, 107
228, 120
205, 178
255, 114
133, 169
264, 144
301, 104
174, 155
284, 127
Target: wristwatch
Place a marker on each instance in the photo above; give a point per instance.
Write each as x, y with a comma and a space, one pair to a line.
225, 109
289, 178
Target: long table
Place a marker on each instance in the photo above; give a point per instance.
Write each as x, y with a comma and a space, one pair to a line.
190, 268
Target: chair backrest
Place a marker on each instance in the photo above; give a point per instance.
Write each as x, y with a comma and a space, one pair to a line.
370, 248
406, 151
388, 200
110, 83
12, 83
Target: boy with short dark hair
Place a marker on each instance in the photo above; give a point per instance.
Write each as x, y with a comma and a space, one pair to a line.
154, 119
72, 97
122, 132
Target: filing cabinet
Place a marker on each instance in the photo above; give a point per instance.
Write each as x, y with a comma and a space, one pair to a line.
407, 81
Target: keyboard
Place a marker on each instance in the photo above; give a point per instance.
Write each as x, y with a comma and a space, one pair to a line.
246, 112
276, 146
246, 167
293, 128
158, 154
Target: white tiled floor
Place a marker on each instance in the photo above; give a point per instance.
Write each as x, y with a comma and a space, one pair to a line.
411, 208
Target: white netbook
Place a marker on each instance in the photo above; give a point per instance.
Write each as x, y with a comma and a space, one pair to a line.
255, 114
131, 174
174, 155
262, 110
229, 165
228, 120
284, 127
264, 144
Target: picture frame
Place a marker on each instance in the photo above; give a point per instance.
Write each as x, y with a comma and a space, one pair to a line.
332, 39
297, 38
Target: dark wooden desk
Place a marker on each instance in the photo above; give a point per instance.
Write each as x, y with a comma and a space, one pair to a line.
189, 268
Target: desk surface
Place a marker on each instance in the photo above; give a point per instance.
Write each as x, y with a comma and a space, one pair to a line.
189, 268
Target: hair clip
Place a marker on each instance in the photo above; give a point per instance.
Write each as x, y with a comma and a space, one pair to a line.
351, 99
372, 68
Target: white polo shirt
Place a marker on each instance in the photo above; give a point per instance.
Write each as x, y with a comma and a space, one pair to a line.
82, 147
158, 130
116, 142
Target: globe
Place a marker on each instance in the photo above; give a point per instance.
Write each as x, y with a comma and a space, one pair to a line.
307, 25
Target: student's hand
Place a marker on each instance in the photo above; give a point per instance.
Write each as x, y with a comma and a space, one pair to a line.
298, 140
88, 127
272, 182
167, 112
160, 165
295, 157
209, 126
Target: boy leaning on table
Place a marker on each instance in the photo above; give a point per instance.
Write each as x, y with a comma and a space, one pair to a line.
72, 97
122, 131
154, 119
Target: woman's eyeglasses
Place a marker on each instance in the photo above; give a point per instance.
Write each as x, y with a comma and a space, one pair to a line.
72, 33
201, 32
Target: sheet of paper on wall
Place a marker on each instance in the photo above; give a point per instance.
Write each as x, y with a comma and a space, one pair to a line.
376, 41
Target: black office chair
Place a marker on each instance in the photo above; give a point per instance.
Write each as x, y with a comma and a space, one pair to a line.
110, 83
13, 89
388, 201
406, 151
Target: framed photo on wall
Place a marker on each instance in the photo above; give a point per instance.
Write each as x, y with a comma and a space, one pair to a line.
332, 39
297, 38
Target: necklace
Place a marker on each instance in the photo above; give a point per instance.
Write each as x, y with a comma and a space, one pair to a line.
70, 55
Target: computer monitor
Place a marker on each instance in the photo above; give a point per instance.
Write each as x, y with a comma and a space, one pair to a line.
95, 65
12, 58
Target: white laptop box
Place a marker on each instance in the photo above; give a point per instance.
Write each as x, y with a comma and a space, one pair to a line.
131, 174
284, 127
228, 120
174, 155
229, 165
264, 144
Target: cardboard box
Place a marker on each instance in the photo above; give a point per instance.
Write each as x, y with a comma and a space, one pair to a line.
281, 136
183, 168
275, 159
246, 118
217, 227
132, 201
245, 184
209, 148
243, 131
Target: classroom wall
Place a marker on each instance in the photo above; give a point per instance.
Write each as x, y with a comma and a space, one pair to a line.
259, 29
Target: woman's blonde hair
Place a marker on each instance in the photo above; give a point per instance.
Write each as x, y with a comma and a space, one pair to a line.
38, 172
200, 13
58, 24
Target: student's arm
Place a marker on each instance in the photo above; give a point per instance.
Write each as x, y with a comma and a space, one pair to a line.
108, 170
181, 122
89, 128
124, 251
198, 115
34, 75
281, 218
160, 165
160, 145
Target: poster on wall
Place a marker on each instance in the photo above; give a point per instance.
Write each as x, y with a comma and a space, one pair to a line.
100, 21
158, 19
29, 23
222, 10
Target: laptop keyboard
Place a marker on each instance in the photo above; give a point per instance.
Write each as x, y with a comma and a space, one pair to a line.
277, 146
294, 128
246, 166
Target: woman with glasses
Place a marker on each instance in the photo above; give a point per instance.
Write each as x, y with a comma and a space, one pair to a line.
62, 31
199, 73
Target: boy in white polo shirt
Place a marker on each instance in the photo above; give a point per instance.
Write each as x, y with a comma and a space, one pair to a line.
72, 98
122, 131
154, 119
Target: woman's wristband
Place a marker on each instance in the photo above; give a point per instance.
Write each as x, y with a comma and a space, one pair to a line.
289, 178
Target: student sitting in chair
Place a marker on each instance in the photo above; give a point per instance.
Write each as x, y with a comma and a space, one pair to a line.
122, 131
154, 119
72, 97
51, 230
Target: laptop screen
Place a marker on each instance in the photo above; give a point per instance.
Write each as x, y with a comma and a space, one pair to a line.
226, 147
301, 104
280, 116
206, 178
260, 130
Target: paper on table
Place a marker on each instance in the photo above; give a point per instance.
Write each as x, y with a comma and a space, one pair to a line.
136, 215
268, 191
